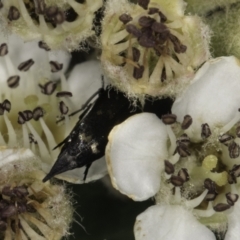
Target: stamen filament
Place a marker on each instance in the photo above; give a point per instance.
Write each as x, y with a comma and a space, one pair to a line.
196, 201
229, 125
11, 132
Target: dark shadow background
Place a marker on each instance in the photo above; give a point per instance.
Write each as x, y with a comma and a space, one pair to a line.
105, 213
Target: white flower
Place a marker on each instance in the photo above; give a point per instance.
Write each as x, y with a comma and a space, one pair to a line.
29, 208
169, 222
151, 48
212, 98
34, 94
201, 158
137, 147
48, 21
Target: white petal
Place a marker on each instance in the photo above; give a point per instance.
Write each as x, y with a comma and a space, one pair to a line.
213, 97
135, 155
170, 222
97, 170
234, 223
85, 80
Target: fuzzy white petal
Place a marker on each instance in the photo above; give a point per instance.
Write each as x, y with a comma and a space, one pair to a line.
135, 155
213, 97
85, 80
170, 222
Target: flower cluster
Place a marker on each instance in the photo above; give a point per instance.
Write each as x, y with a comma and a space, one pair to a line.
189, 160
151, 48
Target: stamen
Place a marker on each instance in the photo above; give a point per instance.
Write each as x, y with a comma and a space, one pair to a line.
231, 198
196, 201
220, 207
44, 46
3, 49
187, 122
225, 139
183, 173
234, 150
63, 108
182, 149
169, 167
11, 132
143, 3
48, 88
13, 81
206, 132
55, 66
25, 66
125, 18
13, 13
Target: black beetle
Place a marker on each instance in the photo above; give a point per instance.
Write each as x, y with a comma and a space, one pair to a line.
88, 139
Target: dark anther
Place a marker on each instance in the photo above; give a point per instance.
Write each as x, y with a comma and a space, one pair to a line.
159, 28
178, 47
211, 196
55, 66
238, 131
9, 211
143, 3
48, 88
209, 184
59, 18
235, 171
13, 13
231, 198
220, 207
63, 108
163, 17
40, 6
133, 30
55, 14
13, 81
136, 54
3, 226
21, 118
138, 72
234, 150
205, 132
169, 167
145, 21
231, 179
146, 41
6, 105
22, 208
25, 66
225, 139
3, 49
1, 4
37, 113
176, 181
125, 18
51, 11
1, 109
184, 139
44, 46
3, 203
20, 191
31, 208
28, 115
64, 94
169, 119
187, 122
183, 173
7, 191
153, 10
182, 149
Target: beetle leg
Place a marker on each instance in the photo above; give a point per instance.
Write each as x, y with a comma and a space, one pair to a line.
86, 171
